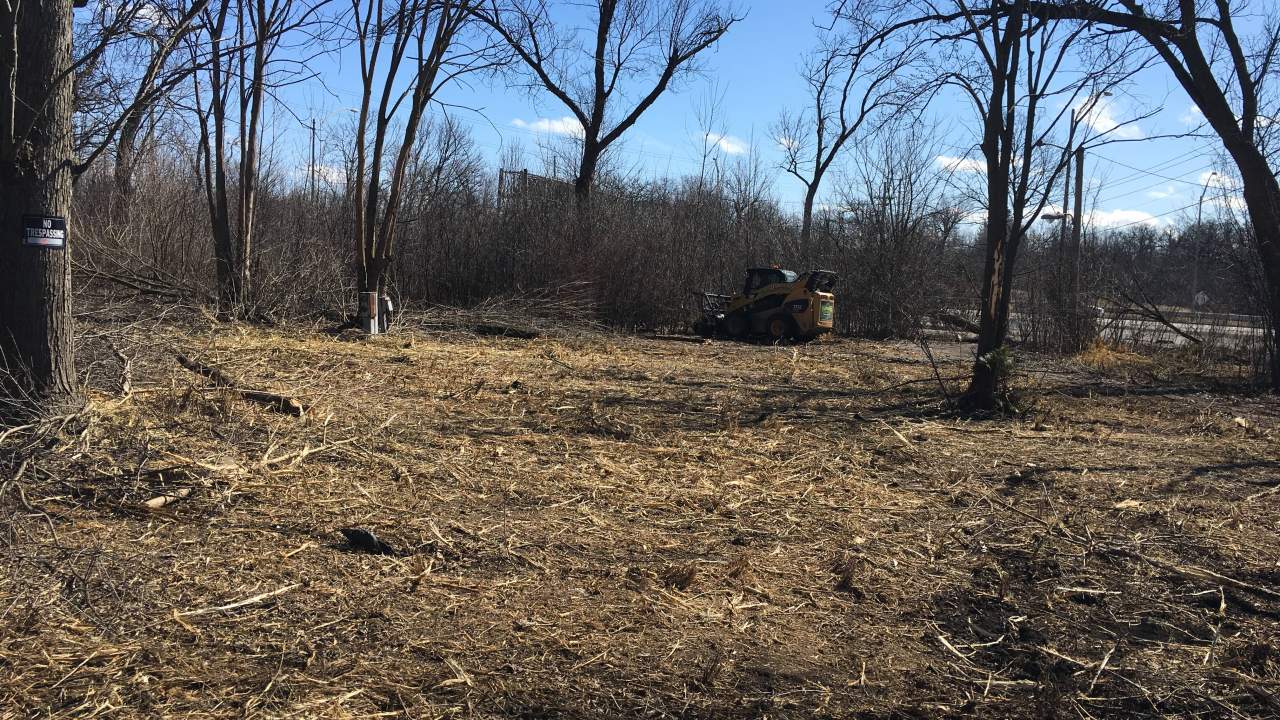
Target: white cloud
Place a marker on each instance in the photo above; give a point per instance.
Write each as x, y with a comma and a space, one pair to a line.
1116, 218
788, 143
152, 14
1192, 116
330, 174
959, 164
1163, 193
567, 126
1102, 118
325, 175
728, 144
1234, 203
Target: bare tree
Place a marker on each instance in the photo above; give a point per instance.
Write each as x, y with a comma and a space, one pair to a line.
895, 220
848, 81
422, 36
1228, 76
1007, 63
128, 61
239, 77
631, 38
747, 184
708, 115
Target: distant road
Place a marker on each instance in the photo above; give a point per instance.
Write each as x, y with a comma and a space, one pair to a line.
1144, 330
1235, 330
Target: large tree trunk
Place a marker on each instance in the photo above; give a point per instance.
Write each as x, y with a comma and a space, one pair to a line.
125, 170
993, 325
1002, 239
806, 217
1262, 196
586, 173
224, 268
35, 174
214, 126
251, 136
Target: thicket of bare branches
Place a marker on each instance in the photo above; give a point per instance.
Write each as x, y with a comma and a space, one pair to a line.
200, 206
899, 232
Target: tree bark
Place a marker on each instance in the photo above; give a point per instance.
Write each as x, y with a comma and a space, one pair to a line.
36, 347
1078, 333
251, 136
125, 169
586, 173
806, 217
215, 170
1262, 196
993, 323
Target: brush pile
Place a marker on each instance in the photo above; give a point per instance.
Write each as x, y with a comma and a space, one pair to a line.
567, 310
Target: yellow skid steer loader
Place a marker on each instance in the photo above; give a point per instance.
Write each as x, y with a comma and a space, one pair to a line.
775, 304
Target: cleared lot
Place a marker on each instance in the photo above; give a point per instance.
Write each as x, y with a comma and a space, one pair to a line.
597, 526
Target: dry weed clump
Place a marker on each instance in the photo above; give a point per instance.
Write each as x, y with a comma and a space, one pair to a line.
1101, 356
586, 525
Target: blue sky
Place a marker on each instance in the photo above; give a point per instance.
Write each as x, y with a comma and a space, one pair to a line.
755, 70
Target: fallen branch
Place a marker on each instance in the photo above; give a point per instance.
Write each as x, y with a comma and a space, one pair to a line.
955, 320
695, 339
126, 370
1264, 493
296, 458
1145, 307
275, 401
161, 501
497, 330
239, 603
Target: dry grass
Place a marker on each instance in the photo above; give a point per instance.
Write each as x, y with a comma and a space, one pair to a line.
1103, 356
598, 526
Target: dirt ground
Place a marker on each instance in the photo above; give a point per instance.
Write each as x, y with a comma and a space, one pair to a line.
588, 525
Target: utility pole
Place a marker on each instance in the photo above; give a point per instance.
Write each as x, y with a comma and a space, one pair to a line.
312, 174
1195, 261
1077, 228
1059, 288
311, 169
1077, 222
37, 363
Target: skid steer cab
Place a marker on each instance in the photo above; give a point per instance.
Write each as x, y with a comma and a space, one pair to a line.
774, 304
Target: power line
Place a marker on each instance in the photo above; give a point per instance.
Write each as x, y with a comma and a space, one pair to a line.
1156, 174
1223, 196
1192, 154
1113, 198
